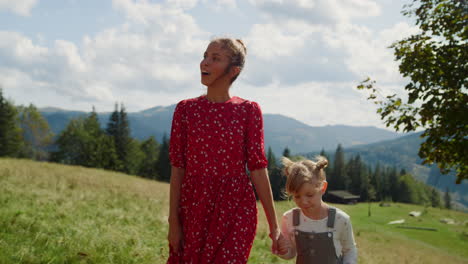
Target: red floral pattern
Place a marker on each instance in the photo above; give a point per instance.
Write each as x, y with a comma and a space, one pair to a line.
214, 142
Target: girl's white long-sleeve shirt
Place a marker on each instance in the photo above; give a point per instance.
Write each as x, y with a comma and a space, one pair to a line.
343, 237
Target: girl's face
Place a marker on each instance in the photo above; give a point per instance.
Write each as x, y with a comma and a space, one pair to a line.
309, 197
214, 66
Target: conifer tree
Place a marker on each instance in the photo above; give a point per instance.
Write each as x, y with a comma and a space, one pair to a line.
447, 199
376, 181
91, 136
150, 149
353, 170
118, 128
99, 149
277, 181
10, 132
84, 143
339, 179
365, 183
287, 152
435, 198
163, 164
271, 159
114, 121
393, 182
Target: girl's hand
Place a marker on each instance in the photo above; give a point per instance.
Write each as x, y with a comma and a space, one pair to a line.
283, 246
275, 236
175, 236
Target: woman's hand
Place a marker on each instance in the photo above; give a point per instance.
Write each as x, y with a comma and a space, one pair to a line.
175, 236
279, 245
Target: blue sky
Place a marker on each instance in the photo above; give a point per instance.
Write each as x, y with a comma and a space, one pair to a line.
305, 57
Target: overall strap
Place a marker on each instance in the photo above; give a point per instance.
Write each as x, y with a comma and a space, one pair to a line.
296, 216
331, 217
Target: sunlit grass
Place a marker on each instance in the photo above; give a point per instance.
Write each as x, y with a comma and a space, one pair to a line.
51, 213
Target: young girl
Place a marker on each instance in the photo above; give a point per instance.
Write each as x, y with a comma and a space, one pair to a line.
213, 214
314, 232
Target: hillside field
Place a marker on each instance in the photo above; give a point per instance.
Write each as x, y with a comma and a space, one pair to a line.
52, 213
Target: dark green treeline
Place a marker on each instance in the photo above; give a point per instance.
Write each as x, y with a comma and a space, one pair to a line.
353, 175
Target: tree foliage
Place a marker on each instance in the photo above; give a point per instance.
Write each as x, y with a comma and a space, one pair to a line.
36, 133
10, 132
118, 129
84, 143
163, 165
150, 149
435, 61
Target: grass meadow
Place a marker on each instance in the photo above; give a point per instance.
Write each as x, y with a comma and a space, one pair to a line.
52, 213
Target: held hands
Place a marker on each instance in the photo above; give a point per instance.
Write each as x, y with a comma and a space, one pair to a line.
280, 245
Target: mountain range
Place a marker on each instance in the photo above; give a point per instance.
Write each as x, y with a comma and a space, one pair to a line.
375, 145
280, 131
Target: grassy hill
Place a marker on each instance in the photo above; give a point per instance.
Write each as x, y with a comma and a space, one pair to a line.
53, 213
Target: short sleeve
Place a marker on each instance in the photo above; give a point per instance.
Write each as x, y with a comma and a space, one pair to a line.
256, 158
178, 140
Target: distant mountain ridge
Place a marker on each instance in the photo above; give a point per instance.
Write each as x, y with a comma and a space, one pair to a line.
373, 144
280, 131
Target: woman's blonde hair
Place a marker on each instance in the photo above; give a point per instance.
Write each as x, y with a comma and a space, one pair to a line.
304, 171
237, 51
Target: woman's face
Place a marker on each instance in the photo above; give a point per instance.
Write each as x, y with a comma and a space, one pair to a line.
214, 66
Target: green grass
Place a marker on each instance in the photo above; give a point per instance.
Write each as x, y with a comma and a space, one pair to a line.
53, 213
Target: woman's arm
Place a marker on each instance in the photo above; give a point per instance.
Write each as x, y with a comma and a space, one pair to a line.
262, 186
175, 229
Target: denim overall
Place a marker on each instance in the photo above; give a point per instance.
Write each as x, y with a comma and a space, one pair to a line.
315, 248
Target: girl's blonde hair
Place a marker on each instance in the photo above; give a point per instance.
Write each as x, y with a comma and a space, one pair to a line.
237, 51
304, 171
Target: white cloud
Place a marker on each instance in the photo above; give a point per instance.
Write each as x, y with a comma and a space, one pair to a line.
318, 11
20, 7
314, 103
368, 52
14, 46
184, 4
159, 47
227, 3
304, 59
68, 51
268, 41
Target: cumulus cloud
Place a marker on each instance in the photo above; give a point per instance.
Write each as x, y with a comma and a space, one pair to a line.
20, 7
368, 51
311, 53
268, 41
326, 12
315, 103
220, 5
158, 48
184, 4
16, 48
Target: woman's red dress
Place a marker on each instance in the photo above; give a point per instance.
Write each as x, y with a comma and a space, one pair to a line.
214, 142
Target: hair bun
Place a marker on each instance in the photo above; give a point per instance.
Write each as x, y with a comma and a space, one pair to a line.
242, 44
321, 164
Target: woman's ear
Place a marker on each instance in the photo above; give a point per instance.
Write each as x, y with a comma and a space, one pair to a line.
324, 186
234, 71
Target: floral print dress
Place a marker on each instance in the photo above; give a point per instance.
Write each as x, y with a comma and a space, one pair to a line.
214, 142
